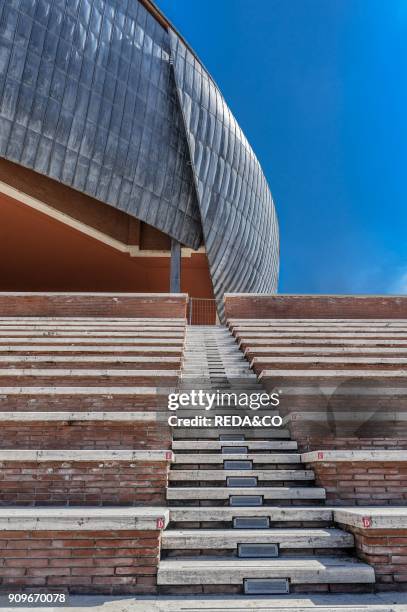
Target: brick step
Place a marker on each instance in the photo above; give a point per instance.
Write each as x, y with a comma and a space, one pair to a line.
226, 514
275, 321
107, 398
95, 318
89, 328
83, 477
120, 430
223, 493
90, 340
115, 335
221, 475
240, 331
84, 361
320, 342
46, 550
323, 363
228, 539
304, 572
20, 377
332, 376
339, 351
357, 334
88, 350
206, 458
216, 445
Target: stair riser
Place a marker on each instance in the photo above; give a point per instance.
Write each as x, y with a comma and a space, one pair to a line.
229, 589
232, 553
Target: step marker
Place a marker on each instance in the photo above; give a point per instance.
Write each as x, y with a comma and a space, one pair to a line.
245, 500
251, 522
266, 586
257, 551
234, 450
241, 481
236, 464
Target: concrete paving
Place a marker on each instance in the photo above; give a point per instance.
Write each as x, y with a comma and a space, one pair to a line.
381, 602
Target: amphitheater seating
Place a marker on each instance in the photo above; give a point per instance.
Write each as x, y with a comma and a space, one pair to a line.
84, 439
342, 379
83, 550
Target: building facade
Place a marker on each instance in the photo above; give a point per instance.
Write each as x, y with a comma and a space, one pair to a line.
111, 125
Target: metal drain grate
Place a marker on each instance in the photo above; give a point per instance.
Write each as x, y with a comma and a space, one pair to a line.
251, 522
241, 481
236, 464
257, 551
245, 500
266, 586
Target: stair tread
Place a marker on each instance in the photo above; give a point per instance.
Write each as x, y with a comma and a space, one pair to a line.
226, 513
229, 570
222, 474
220, 457
225, 492
218, 444
285, 537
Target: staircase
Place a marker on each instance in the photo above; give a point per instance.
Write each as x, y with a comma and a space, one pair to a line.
245, 516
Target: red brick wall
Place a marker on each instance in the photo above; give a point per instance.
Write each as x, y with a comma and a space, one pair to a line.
84, 380
90, 435
76, 483
92, 304
108, 562
314, 435
247, 306
386, 551
362, 483
83, 403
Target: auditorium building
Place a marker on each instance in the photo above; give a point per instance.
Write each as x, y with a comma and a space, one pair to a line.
121, 166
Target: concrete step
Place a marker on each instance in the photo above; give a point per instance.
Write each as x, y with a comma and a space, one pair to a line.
320, 342
320, 328
114, 335
332, 363
275, 514
89, 350
42, 376
334, 351
223, 493
380, 602
230, 538
357, 334
219, 475
304, 571
314, 377
84, 340
218, 444
250, 433
95, 320
275, 322
204, 458
86, 361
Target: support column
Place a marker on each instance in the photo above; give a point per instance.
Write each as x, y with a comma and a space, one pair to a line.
175, 269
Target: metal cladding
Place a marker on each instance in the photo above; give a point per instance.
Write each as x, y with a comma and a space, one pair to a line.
99, 95
238, 216
88, 98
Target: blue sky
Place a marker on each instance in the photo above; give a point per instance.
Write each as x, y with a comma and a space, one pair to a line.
320, 89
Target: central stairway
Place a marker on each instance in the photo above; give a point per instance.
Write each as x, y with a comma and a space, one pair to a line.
245, 516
